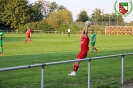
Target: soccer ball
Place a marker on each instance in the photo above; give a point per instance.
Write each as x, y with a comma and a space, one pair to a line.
87, 23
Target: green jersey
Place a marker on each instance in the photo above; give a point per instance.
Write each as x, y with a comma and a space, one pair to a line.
93, 35
1, 35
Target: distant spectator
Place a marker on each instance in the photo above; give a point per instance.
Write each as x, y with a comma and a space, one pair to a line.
69, 31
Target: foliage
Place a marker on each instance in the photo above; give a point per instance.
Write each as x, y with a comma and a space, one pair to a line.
41, 25
19, 13
82, 16
15, 14
63, 27
44, 26
45, 7
59, 17
36, 12
54, 6
44, 15
96, 15
99, 16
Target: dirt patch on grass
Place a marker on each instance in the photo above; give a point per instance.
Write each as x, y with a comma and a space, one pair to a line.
128, 84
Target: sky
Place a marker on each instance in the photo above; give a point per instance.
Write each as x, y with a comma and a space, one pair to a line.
76, 6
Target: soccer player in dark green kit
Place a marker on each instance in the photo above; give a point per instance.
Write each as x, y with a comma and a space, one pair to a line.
1, 45
93, 41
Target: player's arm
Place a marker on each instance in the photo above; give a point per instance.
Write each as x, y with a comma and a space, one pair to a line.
85, 31
26, 32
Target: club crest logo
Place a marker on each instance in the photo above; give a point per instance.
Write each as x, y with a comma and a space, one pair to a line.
123, 8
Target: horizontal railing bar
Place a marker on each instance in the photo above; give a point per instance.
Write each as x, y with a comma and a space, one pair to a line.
61, 62
86, 59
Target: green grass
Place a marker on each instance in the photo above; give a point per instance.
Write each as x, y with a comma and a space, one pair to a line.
105, 73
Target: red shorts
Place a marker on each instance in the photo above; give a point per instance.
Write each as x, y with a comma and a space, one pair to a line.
82, 54
28, 36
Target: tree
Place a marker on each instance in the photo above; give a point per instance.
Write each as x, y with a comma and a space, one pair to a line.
2, 24
82, 16
106, 17
42, 25
61, 7
36, 14
45, 7
59, 17
53, 6
2, 4
15, 14
96, 16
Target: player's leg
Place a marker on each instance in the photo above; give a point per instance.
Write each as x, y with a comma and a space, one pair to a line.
81, 55
68, 33
26, 40
92, 47
1, 50
30, 39
96, 49
75, 68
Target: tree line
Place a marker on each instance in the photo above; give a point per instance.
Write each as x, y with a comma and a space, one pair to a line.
45, 15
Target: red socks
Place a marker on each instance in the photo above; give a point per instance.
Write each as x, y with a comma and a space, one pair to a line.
75, 67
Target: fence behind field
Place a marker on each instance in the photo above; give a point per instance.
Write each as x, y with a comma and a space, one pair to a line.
118, 30
52, 32
100, 30
69, 61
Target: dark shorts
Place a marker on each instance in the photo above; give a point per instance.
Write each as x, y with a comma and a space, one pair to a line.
92, 43
68, 32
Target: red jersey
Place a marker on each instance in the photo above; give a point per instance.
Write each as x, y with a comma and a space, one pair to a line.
84, 44
28, 32
84, 48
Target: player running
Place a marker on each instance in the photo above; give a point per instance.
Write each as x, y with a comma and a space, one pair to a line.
93, 41
28, 35
84, 48
1, 44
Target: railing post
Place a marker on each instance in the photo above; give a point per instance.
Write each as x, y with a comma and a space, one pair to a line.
89, 65
42, 77
122, 69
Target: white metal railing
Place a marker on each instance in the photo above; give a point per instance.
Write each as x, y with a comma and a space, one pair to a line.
69, 61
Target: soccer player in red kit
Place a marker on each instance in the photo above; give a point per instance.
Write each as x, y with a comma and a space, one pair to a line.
28, 35
84, 48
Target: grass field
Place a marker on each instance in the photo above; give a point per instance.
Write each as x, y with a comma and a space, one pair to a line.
105, 73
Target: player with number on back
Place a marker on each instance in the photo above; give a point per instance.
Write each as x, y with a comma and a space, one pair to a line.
84, 48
